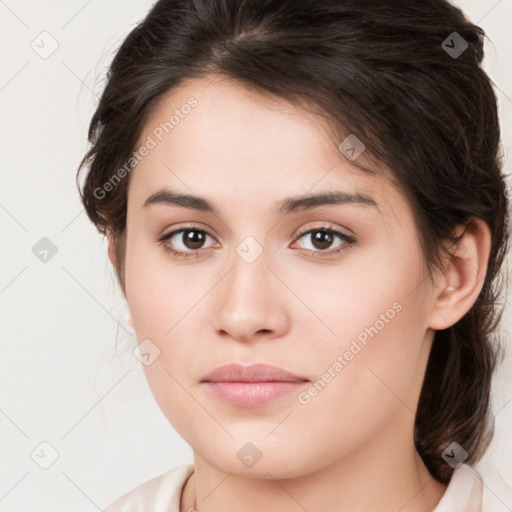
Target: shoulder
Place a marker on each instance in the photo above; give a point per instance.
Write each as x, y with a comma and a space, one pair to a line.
464, 492
159, 494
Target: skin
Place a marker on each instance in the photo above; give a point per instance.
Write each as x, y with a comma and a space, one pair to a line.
351, 447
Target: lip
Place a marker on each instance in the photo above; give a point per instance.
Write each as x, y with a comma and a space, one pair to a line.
252, 386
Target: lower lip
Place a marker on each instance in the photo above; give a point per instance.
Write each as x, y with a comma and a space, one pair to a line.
253, 394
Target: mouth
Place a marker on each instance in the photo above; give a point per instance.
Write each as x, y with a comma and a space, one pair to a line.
252, 386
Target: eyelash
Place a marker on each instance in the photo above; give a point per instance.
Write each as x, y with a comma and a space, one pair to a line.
348, 241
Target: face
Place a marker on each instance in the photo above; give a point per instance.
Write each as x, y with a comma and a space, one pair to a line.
334, 293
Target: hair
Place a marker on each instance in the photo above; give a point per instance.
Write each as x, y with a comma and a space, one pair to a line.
374, 68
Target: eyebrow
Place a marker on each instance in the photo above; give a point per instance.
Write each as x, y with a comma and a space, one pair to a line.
284, 207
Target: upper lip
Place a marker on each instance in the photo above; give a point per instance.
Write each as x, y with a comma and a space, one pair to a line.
253, 373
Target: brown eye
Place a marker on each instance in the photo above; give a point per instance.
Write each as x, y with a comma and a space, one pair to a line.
193, 239
323, 238
185, 242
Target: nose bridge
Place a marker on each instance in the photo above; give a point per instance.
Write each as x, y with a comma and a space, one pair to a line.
249, 250
248, 282
246, 305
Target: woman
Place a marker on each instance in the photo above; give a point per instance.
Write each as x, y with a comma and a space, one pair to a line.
307, 216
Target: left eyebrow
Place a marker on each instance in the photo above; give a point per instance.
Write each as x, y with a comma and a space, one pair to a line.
284, 207
329, 198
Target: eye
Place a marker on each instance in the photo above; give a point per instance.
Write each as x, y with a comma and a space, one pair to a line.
185, 242
189, 241
323, 238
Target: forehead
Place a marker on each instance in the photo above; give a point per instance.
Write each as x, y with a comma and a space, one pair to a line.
215, 137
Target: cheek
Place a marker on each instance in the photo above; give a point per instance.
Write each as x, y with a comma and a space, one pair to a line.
364, 380
374, 328
156, 292
164, 306
368, 292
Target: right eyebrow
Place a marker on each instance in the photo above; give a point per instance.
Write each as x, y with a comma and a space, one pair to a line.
167, 196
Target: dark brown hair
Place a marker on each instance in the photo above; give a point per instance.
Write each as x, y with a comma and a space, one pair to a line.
379, 69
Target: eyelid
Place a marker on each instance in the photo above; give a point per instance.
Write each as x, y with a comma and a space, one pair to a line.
180, 228
327, 226
347, 240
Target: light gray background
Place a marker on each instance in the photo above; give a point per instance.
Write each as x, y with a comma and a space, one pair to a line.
60, 378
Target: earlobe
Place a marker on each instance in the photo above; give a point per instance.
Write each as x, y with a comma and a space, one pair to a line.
463, 277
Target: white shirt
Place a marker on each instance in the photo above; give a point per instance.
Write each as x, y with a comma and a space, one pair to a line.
163, 493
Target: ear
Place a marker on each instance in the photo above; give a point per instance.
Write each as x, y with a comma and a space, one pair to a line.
112, 250
112, 256
463, 276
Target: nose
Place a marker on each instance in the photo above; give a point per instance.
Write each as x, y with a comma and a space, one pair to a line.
250, 302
